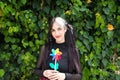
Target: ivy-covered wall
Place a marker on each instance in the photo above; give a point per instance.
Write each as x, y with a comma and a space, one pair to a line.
23, 30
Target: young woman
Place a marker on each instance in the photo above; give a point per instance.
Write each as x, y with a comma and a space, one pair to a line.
59, 58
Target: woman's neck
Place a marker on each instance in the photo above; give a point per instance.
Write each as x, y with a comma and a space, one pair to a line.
60, 42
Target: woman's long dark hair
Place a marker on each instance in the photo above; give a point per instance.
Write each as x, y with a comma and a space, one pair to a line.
70, 41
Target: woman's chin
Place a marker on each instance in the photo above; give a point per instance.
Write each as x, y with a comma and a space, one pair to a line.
59, 41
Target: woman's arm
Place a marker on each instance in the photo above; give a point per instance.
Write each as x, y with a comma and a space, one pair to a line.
78, 75
63, 76
38, 70
72, 76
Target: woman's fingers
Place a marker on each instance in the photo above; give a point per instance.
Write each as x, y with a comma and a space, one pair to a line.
58, 76
54, 75
50, 74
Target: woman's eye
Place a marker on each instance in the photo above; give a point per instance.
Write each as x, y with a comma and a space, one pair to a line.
59, 29
52, 30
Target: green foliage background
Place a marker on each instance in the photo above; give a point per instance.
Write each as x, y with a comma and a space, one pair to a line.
23, 29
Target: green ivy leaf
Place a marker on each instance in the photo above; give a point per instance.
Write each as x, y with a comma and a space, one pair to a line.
47, 9
111, 66
83, 8
23, 1
99, 21
104, 53
117, 77
94, 78
53, 12
2, 72
106, 11
87, 73
118, 61
118, 18
86, 42
31, 44
112, 6
14, 47
105, 62
104, 3
110, 34
91, 55
25, 44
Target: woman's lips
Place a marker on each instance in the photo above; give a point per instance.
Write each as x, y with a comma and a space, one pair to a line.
57, 36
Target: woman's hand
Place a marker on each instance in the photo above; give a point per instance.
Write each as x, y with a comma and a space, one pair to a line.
48, 73
54, 75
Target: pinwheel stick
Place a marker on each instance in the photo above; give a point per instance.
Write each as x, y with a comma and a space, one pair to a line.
55, 65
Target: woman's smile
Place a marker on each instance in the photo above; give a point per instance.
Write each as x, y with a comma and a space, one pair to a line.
57, 37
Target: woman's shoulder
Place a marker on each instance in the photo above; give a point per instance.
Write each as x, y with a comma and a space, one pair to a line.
44, 46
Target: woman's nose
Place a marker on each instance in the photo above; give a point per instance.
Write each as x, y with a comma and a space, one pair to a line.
56, 33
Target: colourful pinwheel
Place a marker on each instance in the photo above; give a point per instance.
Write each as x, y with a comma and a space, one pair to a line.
56, 55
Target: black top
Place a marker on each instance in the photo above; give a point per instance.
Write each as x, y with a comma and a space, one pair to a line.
63, 62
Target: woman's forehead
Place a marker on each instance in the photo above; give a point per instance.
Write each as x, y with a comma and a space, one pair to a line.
56, 25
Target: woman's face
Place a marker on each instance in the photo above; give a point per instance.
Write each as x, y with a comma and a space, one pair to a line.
58, 33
